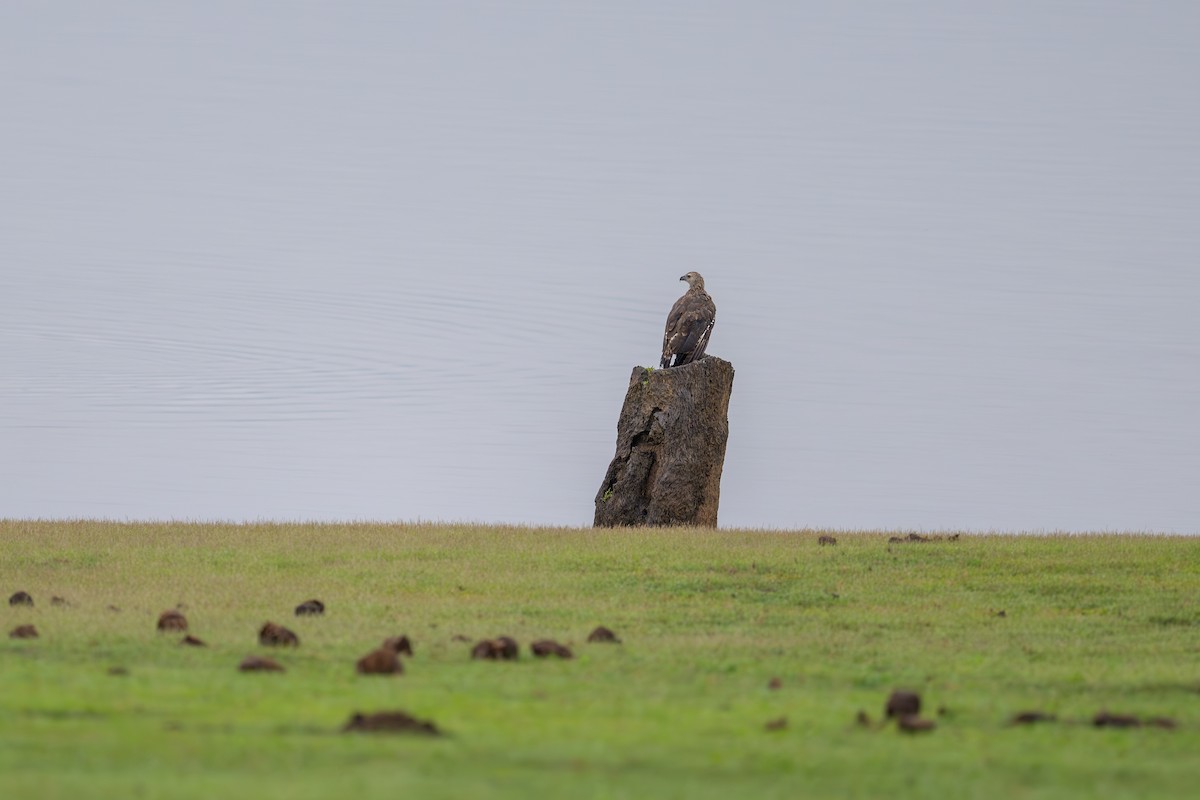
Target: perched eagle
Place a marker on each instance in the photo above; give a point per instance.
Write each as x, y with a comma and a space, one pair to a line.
689, 324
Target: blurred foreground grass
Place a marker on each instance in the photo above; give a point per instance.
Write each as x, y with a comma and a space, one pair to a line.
678, 710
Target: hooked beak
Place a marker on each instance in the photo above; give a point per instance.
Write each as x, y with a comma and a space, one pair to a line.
683, 277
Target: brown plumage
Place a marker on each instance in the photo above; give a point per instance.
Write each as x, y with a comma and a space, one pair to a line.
549, 647
501, 649
260, 664
273, 635
172, 620
23, 632
603, 634
380, 662
689, 324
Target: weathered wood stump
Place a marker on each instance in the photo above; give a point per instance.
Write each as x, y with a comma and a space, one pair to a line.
670, 447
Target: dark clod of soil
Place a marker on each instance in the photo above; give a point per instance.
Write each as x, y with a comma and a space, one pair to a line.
273, 635
20, 599
902, 704
310, 607
1032, 718
390, 722
862, 718
23, 632
824, 540
503, 648
380, 662
114, 608
118, 672
192, 641
911, 723
172, 621
59, 601
777, 724
549, 647
260, 664
400, 645
775, 683
1107, 720
1002, 613
603, 634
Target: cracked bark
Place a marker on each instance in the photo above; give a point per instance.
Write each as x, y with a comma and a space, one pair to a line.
670, 447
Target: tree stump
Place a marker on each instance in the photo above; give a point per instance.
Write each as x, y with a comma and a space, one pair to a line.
670, 447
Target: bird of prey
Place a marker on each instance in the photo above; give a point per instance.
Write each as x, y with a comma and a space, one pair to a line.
689, 324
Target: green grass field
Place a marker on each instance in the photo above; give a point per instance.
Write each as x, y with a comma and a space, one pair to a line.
677, 710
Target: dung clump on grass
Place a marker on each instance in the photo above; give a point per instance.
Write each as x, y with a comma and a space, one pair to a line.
310, 608
192, 641
1031, 718
172, 620
603, 634
390, 722
20, 599
23, 632
272, 635
260, 664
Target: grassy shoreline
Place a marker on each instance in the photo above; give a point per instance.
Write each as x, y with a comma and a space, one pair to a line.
1090, 622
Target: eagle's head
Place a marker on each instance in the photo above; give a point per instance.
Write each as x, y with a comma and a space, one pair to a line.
694, 280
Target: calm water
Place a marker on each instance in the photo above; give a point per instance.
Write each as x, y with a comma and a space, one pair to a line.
384, 260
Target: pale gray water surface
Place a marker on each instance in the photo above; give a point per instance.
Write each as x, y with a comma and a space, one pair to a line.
387, 260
